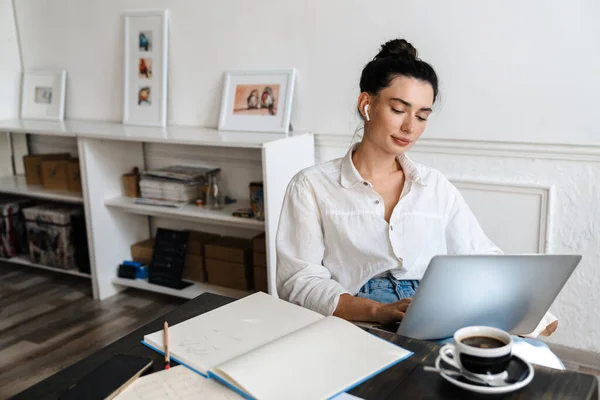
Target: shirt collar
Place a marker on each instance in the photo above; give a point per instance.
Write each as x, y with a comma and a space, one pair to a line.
350, 176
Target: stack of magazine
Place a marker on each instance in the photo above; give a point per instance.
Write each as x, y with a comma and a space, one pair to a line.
174, 186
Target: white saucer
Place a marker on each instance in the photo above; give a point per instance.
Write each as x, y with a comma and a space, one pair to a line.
481, 388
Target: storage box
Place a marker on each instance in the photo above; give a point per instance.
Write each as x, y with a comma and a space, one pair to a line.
142, 251
131, 185
229, 262
229, 248
259, 259
259, 243
55, 174
33, 166
195, 265
56, 236
229, 274
260, 279
74, 176
195, 269
13, 234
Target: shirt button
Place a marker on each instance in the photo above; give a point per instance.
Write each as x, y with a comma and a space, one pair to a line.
391, 228
366, 183
376, 202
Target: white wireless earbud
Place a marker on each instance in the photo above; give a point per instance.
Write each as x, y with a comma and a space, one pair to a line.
366, 109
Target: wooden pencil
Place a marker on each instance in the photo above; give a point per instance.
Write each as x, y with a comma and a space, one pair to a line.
166, 339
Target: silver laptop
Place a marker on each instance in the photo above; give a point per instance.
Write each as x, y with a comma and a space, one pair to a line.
510, 292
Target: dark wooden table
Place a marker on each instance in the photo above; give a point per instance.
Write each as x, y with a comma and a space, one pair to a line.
405, 380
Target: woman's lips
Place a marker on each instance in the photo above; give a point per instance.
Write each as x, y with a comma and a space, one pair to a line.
401, 141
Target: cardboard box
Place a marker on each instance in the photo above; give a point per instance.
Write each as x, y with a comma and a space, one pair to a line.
194, 269
33, 166
259, 243
131, 185
230, 249
74, 176
259, 260
260, 279
142, 251
197, 240
55, 174
229, 274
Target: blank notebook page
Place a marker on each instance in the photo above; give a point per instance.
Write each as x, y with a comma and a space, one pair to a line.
315, 362
207, 340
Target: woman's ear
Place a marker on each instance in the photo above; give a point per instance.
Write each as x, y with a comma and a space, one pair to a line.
364, 105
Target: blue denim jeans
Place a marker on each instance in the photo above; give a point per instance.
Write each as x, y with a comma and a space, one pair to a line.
390, 289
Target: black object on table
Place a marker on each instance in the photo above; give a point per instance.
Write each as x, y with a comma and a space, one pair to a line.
405, 380
109, 378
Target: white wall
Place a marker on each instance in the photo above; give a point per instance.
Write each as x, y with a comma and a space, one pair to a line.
10, 78
522, 71
510, 70
10, 62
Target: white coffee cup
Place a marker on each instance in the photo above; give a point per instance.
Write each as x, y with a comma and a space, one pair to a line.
480, 350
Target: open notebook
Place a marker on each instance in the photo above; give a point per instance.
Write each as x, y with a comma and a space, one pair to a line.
266, 348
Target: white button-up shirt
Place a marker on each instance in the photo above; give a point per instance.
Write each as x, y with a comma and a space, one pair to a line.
332, 236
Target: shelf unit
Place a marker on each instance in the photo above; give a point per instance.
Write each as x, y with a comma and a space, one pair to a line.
24, 260
16, 185
189, 292
106, 150
188, 212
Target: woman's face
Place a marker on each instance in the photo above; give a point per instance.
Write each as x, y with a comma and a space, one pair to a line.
398, 114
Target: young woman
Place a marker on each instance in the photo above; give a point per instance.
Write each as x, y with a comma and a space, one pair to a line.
357, 233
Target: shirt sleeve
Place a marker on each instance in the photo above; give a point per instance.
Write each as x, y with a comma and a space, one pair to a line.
464, 235
301, 277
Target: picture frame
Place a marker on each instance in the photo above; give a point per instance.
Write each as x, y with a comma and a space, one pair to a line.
43, 94
145, 70
257, 100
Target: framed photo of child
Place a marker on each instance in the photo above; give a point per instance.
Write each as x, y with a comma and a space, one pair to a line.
257, 100
145, 68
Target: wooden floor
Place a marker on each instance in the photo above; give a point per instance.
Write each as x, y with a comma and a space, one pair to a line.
48, 321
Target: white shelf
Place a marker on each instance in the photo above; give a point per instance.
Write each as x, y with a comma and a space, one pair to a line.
189, 212
40, 127
189, 292
24, 260
17, 185
190, 135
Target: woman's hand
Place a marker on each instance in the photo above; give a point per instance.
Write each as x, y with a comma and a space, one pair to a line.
353, 308
393, 312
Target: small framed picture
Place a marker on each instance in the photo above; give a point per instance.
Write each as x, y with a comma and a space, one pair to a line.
145, 69
257, 100
43, 95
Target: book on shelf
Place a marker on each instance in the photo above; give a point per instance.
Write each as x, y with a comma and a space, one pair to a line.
266, 348
187, 173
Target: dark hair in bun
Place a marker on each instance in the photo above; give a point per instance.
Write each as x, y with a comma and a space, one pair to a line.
396, 57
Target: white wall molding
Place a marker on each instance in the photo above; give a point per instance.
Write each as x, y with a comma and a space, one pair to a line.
545, 192
549, 151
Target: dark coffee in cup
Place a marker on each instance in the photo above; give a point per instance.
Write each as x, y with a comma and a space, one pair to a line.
481, 350
483, 342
